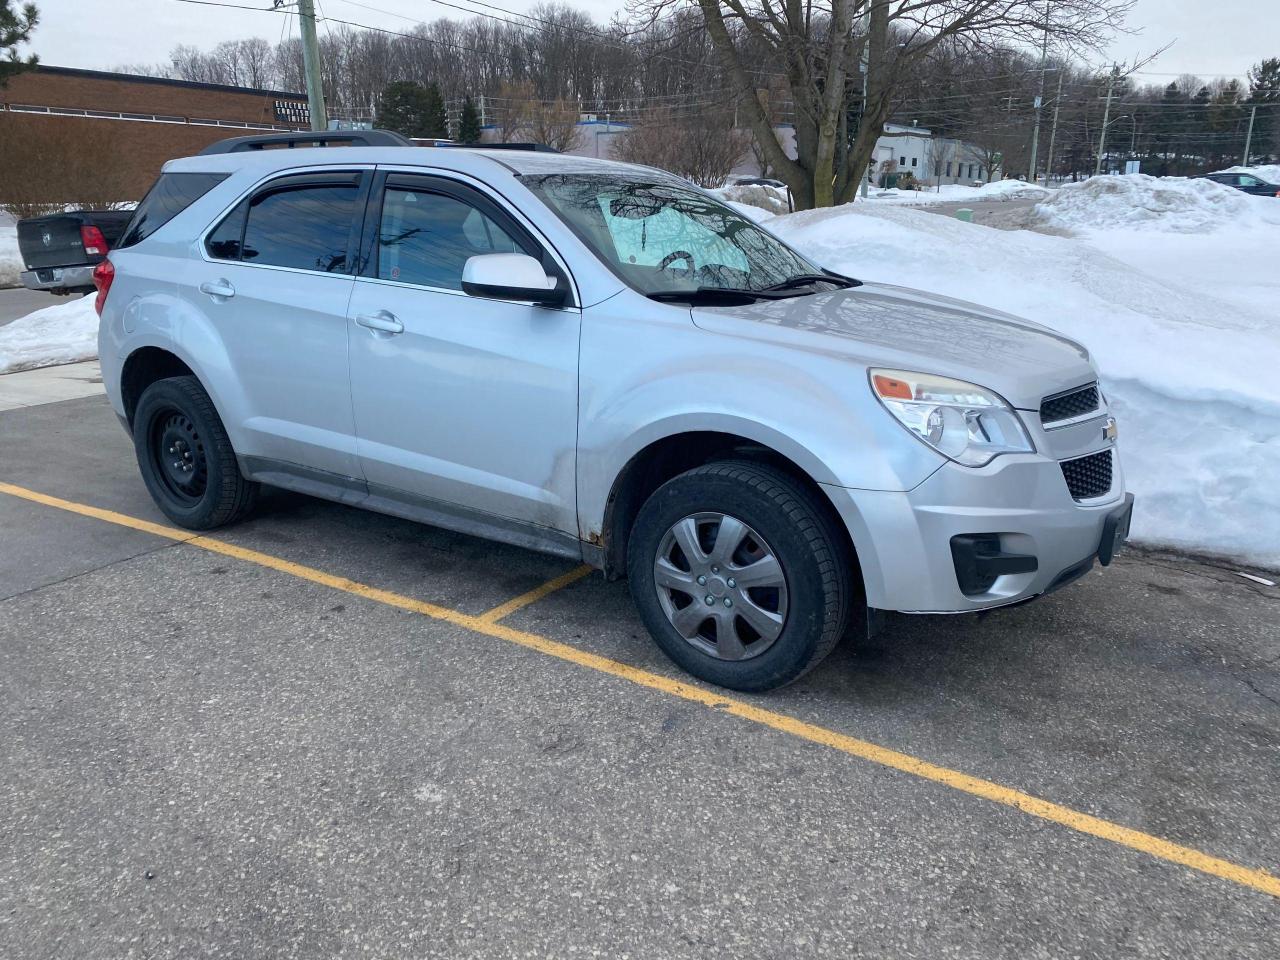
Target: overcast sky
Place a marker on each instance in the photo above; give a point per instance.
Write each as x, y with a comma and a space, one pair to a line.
1222, 37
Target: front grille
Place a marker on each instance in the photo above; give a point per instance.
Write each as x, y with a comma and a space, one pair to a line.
1088, 477
1066, 406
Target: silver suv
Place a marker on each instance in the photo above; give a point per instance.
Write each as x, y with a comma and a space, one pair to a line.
602, 362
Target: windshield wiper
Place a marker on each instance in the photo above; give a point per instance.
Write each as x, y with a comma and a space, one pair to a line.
804, 279
713, 296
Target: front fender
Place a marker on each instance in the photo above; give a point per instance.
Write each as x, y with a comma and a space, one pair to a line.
657, 375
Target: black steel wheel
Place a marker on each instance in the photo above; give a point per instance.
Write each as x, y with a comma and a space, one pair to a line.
186, 458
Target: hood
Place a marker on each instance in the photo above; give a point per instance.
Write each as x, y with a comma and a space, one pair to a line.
886, 326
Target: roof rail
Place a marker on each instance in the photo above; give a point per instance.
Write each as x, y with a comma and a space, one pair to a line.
480, 145
305, 138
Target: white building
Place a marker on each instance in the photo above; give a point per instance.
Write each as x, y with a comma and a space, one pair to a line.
904, 148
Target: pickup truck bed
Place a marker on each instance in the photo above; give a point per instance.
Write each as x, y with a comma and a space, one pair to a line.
53, 248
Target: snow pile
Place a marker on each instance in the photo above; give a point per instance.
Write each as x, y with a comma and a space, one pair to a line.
63, 333
10, 262
1191, 377
1166, 204
1269, 172
1012, 190
962, 193
772, 200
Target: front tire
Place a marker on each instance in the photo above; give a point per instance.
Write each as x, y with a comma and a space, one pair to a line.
186, 458
739, 575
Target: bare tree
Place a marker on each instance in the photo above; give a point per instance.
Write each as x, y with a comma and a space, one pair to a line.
701, 147
819, 49
554, 124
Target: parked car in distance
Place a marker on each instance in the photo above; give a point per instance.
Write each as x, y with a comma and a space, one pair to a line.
758, 182
1246, 182
60, 251
603, 362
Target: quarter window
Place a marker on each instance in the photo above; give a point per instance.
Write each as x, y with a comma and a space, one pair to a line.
426, 237
167, 198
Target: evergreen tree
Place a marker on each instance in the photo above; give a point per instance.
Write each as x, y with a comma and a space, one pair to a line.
1264, 90
436, 124
469, 122
1226, 119
15, 28
411, 109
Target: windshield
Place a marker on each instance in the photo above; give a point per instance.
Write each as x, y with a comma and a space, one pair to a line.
664, 239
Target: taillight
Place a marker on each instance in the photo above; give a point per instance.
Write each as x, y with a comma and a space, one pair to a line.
103, 274
95, 244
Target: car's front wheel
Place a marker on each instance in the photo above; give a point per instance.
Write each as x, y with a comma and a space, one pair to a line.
739, 575
186, 458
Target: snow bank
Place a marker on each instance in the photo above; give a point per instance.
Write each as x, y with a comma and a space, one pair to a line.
63, 333
1269, 172
10, 263
1166, 204
962, 193
1192, 378
772, 200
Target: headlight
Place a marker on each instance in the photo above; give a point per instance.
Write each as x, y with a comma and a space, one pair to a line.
962, 421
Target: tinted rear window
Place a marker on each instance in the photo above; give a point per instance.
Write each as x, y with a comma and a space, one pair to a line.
170, 195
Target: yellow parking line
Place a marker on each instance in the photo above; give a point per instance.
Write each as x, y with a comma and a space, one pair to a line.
1260, 880
534, 595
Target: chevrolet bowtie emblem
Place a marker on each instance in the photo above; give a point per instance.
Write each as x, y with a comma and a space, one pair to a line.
1109, 429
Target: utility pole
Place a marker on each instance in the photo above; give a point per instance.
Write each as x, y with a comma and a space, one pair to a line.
864, 65
1035, 131
1053, 131
1248, 137
311, 64
1106, 119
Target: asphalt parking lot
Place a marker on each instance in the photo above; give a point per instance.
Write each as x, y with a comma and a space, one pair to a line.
327, 733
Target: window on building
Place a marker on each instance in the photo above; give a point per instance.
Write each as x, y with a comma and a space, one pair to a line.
913, 160
948, 168
903, 163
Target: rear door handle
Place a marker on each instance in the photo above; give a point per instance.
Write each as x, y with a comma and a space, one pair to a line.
218, 288
382, 321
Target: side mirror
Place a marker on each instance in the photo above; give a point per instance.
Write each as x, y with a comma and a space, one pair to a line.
511, 276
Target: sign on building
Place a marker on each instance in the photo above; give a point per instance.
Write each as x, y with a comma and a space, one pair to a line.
293, 111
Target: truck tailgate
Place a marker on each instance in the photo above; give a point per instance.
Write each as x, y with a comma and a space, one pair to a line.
51, 242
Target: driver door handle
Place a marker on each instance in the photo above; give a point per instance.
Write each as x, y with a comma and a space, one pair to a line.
218, 288
383, 321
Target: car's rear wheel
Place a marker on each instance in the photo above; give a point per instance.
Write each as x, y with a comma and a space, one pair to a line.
739, 575
186, 458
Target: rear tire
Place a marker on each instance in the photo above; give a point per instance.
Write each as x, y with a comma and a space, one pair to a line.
793, 603
186, 458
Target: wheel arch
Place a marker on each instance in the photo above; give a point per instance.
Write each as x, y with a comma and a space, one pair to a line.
670, 455
143, 367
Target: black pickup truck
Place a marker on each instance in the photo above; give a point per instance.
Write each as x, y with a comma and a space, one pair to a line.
61, 250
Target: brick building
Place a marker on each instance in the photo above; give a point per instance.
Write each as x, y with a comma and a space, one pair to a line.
147, 120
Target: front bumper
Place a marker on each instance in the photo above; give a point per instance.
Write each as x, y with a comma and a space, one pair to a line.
58, 278
905, 540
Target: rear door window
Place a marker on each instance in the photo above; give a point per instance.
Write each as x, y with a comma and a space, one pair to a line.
167, 198
305, 221
304, 225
